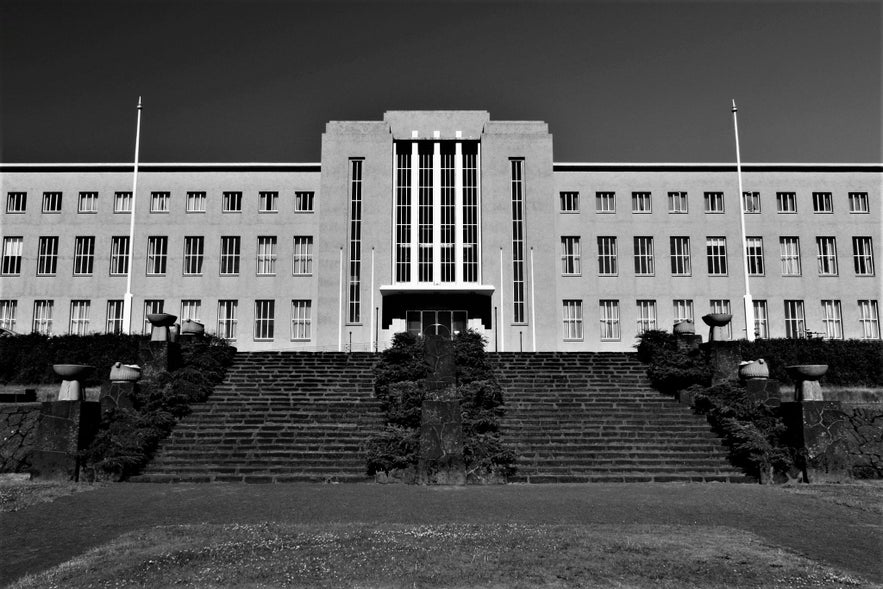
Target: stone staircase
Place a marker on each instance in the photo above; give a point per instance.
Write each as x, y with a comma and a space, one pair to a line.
593, 417
277, 417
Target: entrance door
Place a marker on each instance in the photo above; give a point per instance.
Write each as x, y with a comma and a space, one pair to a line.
447, 323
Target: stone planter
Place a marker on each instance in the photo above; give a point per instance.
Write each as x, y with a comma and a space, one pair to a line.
685, 327
806, 381
120, 372
190, 327
716, 322
754, 370
71, 388
161, 323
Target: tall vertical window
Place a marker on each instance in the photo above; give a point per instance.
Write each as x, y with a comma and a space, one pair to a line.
79, 323
266, 261
16, 202
723, 306
354, 289
786, 202
644, 264
754, 254
403, 213
517, 169
641, 202
863, 256
302, 262
795, 320
761, 319
646, 315
301, 319
869, 319
569, 202
119, 255
7, 314
789, 254
424, 213
303, 202
122, 202
714, 202
88, 202
822, 202
194, 253
159, 202
42, 322
47, 256
609, 318
227, 319
230, 255
751, 202
268, 202
114, 317
826, 248
605, 202
716, 254
570, 256
682, 310
51, 202
677, 202
191, 310
573, 320
679, 247
858, 202
231, 202
264, 319
447, 227
157, 255
151, 307
470, 212
832, 320
84, 255
196, 202
607, 256
12, 252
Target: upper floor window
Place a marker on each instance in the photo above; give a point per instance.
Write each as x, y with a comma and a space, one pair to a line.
754, 255
266, 262
858, 202
822, 203
84, 255
789, 253
714, 202
569, 202
88, 202
786, 202
641, 202
680, 256
303, 202
605, 202
230, 251
570, 256
51, 202
119, 255
159, 202
47, 256
12, 251
196, 202
573, 320
157, 255
716, 252
863, 256
751, 202
122, 202
267, 202
16, 202
677, 202
644, 264
302, 262
827, 255
607, 256
194, 252
232, 202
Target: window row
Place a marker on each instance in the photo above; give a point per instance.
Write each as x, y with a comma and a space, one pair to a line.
716, 256
610, 328
713, 202
157, 255
160, 202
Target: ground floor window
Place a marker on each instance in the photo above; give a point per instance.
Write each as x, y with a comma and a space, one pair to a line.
832, 320
869, 318
7, 314
573, 320
114, 317
301, 320
682, 310
264, 319
42, 317
761, 319
609, 317
79, 324
795, 320
436, 322
191, 309
723, 306
151, 307
646, 316
227, 319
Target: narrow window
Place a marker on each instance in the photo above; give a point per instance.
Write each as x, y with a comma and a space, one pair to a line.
517, 170
569, 202
151, 307
302, 263
863, 256
646, 316
573, 320
869, 319
447, 227
858, 202
301, 320
266, 262
761, 319
51, 202
832, 320
570, 256
641, 202
607, 256
786, 202
354, 284
680, 256
84, 255
644, 263
470, 212
754, 255
157, 255
677, 203
231, 202
264, 319
191, 310
88, 202
605, 202
122, 202
303, 202
114, 316
119, 255
751, 202
723, 306
789, 254
682, 310
268, 202
7, 314
12, 252
822, 202
79, 323
227, 319
194, 253
47, 256
795, 321
196, 202
16, 202
716, 253
609, 316
403, 212
159, 202
714, 202
43, 317
230, 255
826, 248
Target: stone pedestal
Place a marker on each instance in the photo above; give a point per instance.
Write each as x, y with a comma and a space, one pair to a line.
156, 357
723, 361
441, 444
764, 391
820, 430
688, 342
117, 395
438, 353
65, 428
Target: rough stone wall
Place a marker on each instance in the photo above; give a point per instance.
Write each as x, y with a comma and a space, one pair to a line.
18, 433
864, 434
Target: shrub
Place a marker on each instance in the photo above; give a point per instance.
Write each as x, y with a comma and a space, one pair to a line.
670, 366
857, 363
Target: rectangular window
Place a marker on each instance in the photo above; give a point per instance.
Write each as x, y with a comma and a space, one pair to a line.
569, 202
470, 212
573, 320
644, 264
159, 202
84, 255
761, 319
789, 253
832, 320
302, 262
16, 202
680, 256
232, 202
682, 310
869, 319
229, 255
354, 283
47, 256
268, 202
191, 310
151, 307
677, 203
646, 316
12, 252
826, 248
7, 314
264, 319
641, 202
122, 202
716, 254
157, 255
301, 320
196, 202
88, 202
609, 316
754, 255
570, 256
723, 306
114, 317
795, 320
786, 202
751, 202
517, 187
303, 202
79, 324
403, 212
425, 213
863, 256
447, 209
227, 319
119, 255
714, 202
607, 256
42, 317
194, 253
266, 262
51, 202
858, 202
822, 202
605, 202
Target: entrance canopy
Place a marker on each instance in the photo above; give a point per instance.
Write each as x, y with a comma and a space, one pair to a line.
398, 300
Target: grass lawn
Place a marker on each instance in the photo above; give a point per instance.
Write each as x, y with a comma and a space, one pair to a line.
443, 555
16, 494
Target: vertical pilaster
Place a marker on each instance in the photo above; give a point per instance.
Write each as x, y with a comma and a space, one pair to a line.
458, 212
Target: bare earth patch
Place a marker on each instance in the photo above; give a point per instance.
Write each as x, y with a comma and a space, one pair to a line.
443, 555
16, 494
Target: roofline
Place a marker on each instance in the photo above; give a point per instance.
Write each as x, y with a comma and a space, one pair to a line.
163, 167
714, 167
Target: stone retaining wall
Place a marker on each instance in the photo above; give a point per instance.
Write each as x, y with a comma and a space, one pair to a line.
18, 433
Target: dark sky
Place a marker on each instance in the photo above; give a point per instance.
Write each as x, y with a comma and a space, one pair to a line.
236, 81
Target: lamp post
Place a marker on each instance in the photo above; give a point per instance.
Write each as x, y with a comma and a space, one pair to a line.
747, 300
127, 298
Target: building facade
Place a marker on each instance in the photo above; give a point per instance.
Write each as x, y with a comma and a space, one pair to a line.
435, 221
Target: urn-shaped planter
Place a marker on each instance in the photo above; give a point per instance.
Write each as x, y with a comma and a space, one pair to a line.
754, 370
161, 323
191, 327
71, 388
716, 321
685, 327
120, 372
806, 381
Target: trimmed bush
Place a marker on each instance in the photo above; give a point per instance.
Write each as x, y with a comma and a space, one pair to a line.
851, 363
670, 366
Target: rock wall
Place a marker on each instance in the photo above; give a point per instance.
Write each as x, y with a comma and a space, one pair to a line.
18, 433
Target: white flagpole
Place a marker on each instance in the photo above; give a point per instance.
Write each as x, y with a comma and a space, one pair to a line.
748, 302
127, 299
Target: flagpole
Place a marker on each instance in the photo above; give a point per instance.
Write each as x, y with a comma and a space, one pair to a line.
747, 300
127, 298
